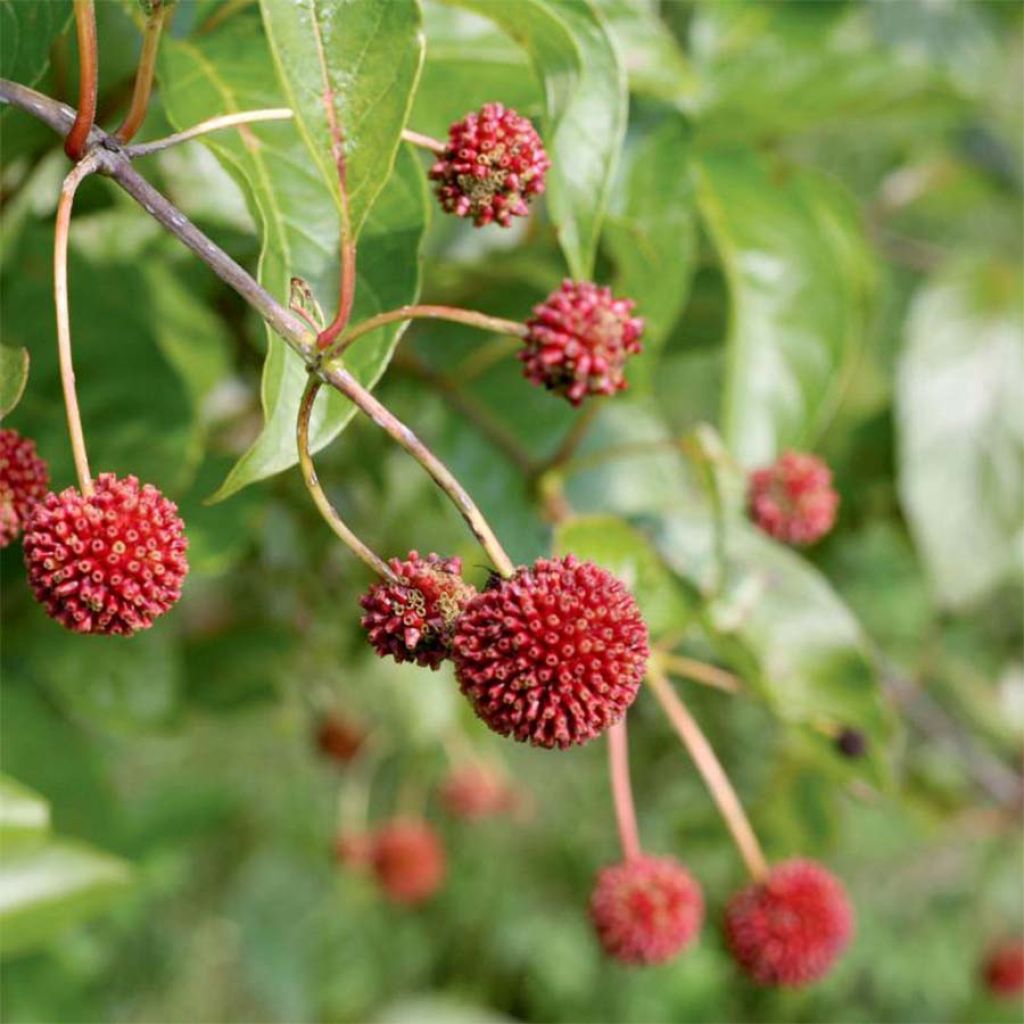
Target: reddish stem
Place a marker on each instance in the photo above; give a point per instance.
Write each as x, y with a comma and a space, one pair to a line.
85, 26
159, 15
622, 791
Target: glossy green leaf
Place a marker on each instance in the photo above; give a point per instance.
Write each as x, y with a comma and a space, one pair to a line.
961, 429
651, 235
46, 889
297, 214
24, 816
13, 376
621, 549
367, 54
800, 279
585, 93
27, 31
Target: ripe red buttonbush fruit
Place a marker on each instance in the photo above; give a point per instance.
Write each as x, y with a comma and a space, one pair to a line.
646, 910
338, 738
492, 167
579, 340
1003, 969
110, 562
408, 860
793, 499
411, 619
790, 928
553, 655
473, 791
24, 479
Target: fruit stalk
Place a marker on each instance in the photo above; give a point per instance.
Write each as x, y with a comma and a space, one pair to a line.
622, 791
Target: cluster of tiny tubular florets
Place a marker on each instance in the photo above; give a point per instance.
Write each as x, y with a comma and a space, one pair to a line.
473, 791
789, 928
1003, 968
411, 617
646, 909
579, 339
405, 856
108, 562
492, 166
553, 655
24, 479
793, 499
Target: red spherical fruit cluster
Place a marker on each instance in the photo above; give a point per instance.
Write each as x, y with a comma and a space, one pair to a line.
411, 618
338, 738
646, 910
789, 928
474, 791
1003, 969
408, 860
492, 167
108, 562
553, 655
23, 481
793, 500
579, 340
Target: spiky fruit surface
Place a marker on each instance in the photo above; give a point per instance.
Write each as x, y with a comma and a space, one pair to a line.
790, 928
579, 340
412, 618
646, 910
1003, 969
473, 791
793, 499
24, 478
492, 167
110, 562
338, 738
408, 860
553, 655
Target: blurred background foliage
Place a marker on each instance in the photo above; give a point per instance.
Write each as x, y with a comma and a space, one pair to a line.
817, 207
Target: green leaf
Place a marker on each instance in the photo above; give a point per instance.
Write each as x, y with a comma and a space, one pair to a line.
13, 377
586, 97
621, 549
800, 279
225, 70
27, 31
47, 889
368, 54
651, 235
961, 429
24, 815
783, 628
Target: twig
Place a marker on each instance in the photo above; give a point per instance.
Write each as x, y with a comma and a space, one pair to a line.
423, 141
711, 771
214, 124
323, 504
622, 791
470, 318
701, 672
159, 15
78, 174
85, 28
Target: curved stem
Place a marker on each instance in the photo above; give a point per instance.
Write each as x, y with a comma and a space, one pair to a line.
712, 772
326, 509
159, 15
85, 27
622, 791
494, 324
341, 379
60, 298
701, 672
423, 141
214, 124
